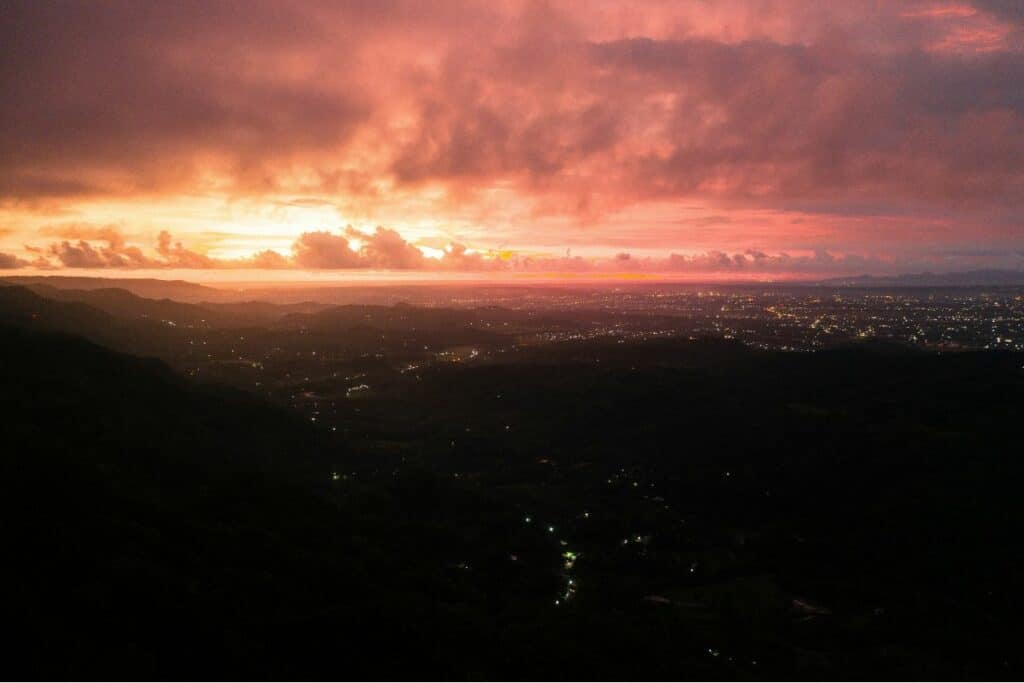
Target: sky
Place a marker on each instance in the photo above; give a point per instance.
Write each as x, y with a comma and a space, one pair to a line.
694, 138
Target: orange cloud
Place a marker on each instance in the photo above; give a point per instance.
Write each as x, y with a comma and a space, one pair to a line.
526, 126
385, 249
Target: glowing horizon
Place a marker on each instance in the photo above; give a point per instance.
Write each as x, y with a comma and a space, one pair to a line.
512, 140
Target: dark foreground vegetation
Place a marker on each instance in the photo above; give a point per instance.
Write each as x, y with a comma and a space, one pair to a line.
660, 508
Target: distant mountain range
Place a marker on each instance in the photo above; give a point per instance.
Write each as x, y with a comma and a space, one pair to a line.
303, 299
968, 278
150, 288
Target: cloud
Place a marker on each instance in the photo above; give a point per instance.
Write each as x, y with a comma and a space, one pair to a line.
515, 120
80, 255
754, 261
176, 256
267, 259
9, 261
115, 252
841, 103
381, 249
1011, 10
385, 248
323, 249
457, 257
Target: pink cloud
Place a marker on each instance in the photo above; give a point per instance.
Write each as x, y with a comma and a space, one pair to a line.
568, 116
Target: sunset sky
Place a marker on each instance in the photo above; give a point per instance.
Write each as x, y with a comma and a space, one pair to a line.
717, 138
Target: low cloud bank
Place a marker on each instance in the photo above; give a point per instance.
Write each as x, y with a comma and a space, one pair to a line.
386, 249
